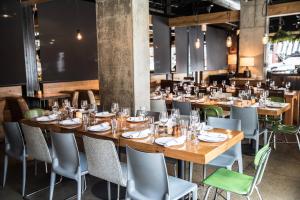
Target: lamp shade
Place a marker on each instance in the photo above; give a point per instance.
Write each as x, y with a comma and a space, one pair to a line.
247, 61
232, 58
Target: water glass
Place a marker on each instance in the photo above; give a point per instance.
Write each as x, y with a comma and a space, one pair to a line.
287, 85
55, 107
114, 125
163, 118
223, 83
115, 108
84, 105
258, 84
215, 83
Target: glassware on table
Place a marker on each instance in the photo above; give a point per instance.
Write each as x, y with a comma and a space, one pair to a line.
272, 84
185, 86
114, 125
163, 118
183, 124
287, 85
232, 84
84, 105
215, 83
55, 107
175, 115
196, 90
168, 90
124, 114
203, 83
142, 112
175, 89
188, 90
115, 108
85, 121
223, 83
194, 117
247, 84
258, 85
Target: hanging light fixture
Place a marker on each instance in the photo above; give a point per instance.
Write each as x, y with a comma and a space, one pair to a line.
265, 39
197, 43
229, 41
78, 35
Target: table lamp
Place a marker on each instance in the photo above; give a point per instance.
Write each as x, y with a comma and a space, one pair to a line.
247, 62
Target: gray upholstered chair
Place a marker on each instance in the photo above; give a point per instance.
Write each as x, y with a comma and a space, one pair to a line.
103, 162
150, 113
36, 147
250, 123
67, 161
91, 97
185, 108
15, 148
158, 105
148, 178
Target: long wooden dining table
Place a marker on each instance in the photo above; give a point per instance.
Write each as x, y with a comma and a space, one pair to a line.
201, 153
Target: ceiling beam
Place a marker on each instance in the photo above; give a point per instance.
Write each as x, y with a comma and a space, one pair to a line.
210, 18
284, 9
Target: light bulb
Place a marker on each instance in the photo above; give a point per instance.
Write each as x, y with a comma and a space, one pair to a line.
229, 41
265, 39
197, 43
78, 35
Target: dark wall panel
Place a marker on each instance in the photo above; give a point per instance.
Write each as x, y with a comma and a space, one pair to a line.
68, 59
181, 44
196, 55
216, 48
12, 62
161, 44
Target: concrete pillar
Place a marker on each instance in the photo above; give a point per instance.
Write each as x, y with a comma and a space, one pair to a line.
123, 52
252, 27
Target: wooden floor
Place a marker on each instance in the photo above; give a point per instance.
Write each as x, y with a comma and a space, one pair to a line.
281, 180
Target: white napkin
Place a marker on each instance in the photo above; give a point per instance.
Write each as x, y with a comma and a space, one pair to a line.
136, 119
212, 137
47, 118
73, 121
137, 134
100, 127
176, 141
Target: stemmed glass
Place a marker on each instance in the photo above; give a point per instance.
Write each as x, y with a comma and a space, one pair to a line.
223, 83
196, 90
215, 83
55, 107
175, 89
124, 114
114, 108
258, 85
84, 105
287, 85
142, 112
163, 118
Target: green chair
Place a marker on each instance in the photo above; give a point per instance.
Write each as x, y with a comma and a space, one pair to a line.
272, 119
212, 111
285, 130
238, 183
32, 113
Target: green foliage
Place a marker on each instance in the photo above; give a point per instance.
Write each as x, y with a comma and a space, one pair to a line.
282, 36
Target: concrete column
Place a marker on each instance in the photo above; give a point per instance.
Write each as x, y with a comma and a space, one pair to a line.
252, 26
123, 52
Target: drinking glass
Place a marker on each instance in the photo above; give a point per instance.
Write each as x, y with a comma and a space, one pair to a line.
168, 90
183, 127
84, 105
124, 114
175, 115
223, 83
196, 90
114, 125
272, 84
175, 89
287, 85
194, 117
203, 83
233, 84
142, 112
55, 107
115, 108
247, 83
215, 83
163, 118
185, 87
258, 84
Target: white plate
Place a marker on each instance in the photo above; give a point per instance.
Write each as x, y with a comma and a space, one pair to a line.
47, 118
99, 128
163, 140
136, 134
137, 119
104, 114
275, 105
70, 122
213, 137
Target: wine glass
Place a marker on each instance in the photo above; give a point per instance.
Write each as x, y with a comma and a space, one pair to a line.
233, 84
114, 108
258, 85
124, 114
163, 118
215, 83
84, 105
287, 85
175, 89
55, 107
196, 90
168, 90
142, 112
223, 83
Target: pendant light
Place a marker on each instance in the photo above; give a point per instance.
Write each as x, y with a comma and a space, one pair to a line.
265, 39
197, 43
78, 34
229, 41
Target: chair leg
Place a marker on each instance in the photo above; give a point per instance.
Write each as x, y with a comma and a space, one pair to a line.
204, 172
108, 190
35, 167
207, 192
79, 188
248, 198
24, 176
274, 141
175, 170
240, 163
257, 144
46, 168
297, 137
191, 171
265, 136
118, 192
216, 194
5, 170
259, 196
52, 181
195, 193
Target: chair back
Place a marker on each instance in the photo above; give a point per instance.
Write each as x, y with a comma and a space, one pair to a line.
276, 93
32, 113
248, 117
23, 105
277, 99
213, 111
150, 113
158, 105
260, 162
75, 99
231, 124
185, 108
103, 161
147, 174
36, 145
14, 142
65, 156
91, 97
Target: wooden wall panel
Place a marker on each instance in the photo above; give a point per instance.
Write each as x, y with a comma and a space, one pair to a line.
10, 91
70, 86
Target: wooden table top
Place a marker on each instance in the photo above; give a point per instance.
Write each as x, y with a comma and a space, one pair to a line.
201, 153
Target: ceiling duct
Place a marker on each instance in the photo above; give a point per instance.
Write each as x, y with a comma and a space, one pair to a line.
230, 4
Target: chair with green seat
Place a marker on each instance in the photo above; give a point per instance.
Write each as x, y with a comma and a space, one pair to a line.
212, 111
285, 130
238, 183
275, 119
32, 113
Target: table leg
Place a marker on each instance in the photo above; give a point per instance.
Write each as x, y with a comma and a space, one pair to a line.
181, 169
289, 115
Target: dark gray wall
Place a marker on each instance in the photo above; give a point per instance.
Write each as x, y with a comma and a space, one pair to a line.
161, 45
68, 59
181, 43
196, 55
216, 48
12, 62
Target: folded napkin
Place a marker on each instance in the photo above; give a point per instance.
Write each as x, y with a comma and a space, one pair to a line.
176, 141
137, 134
73, 121
100, 127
